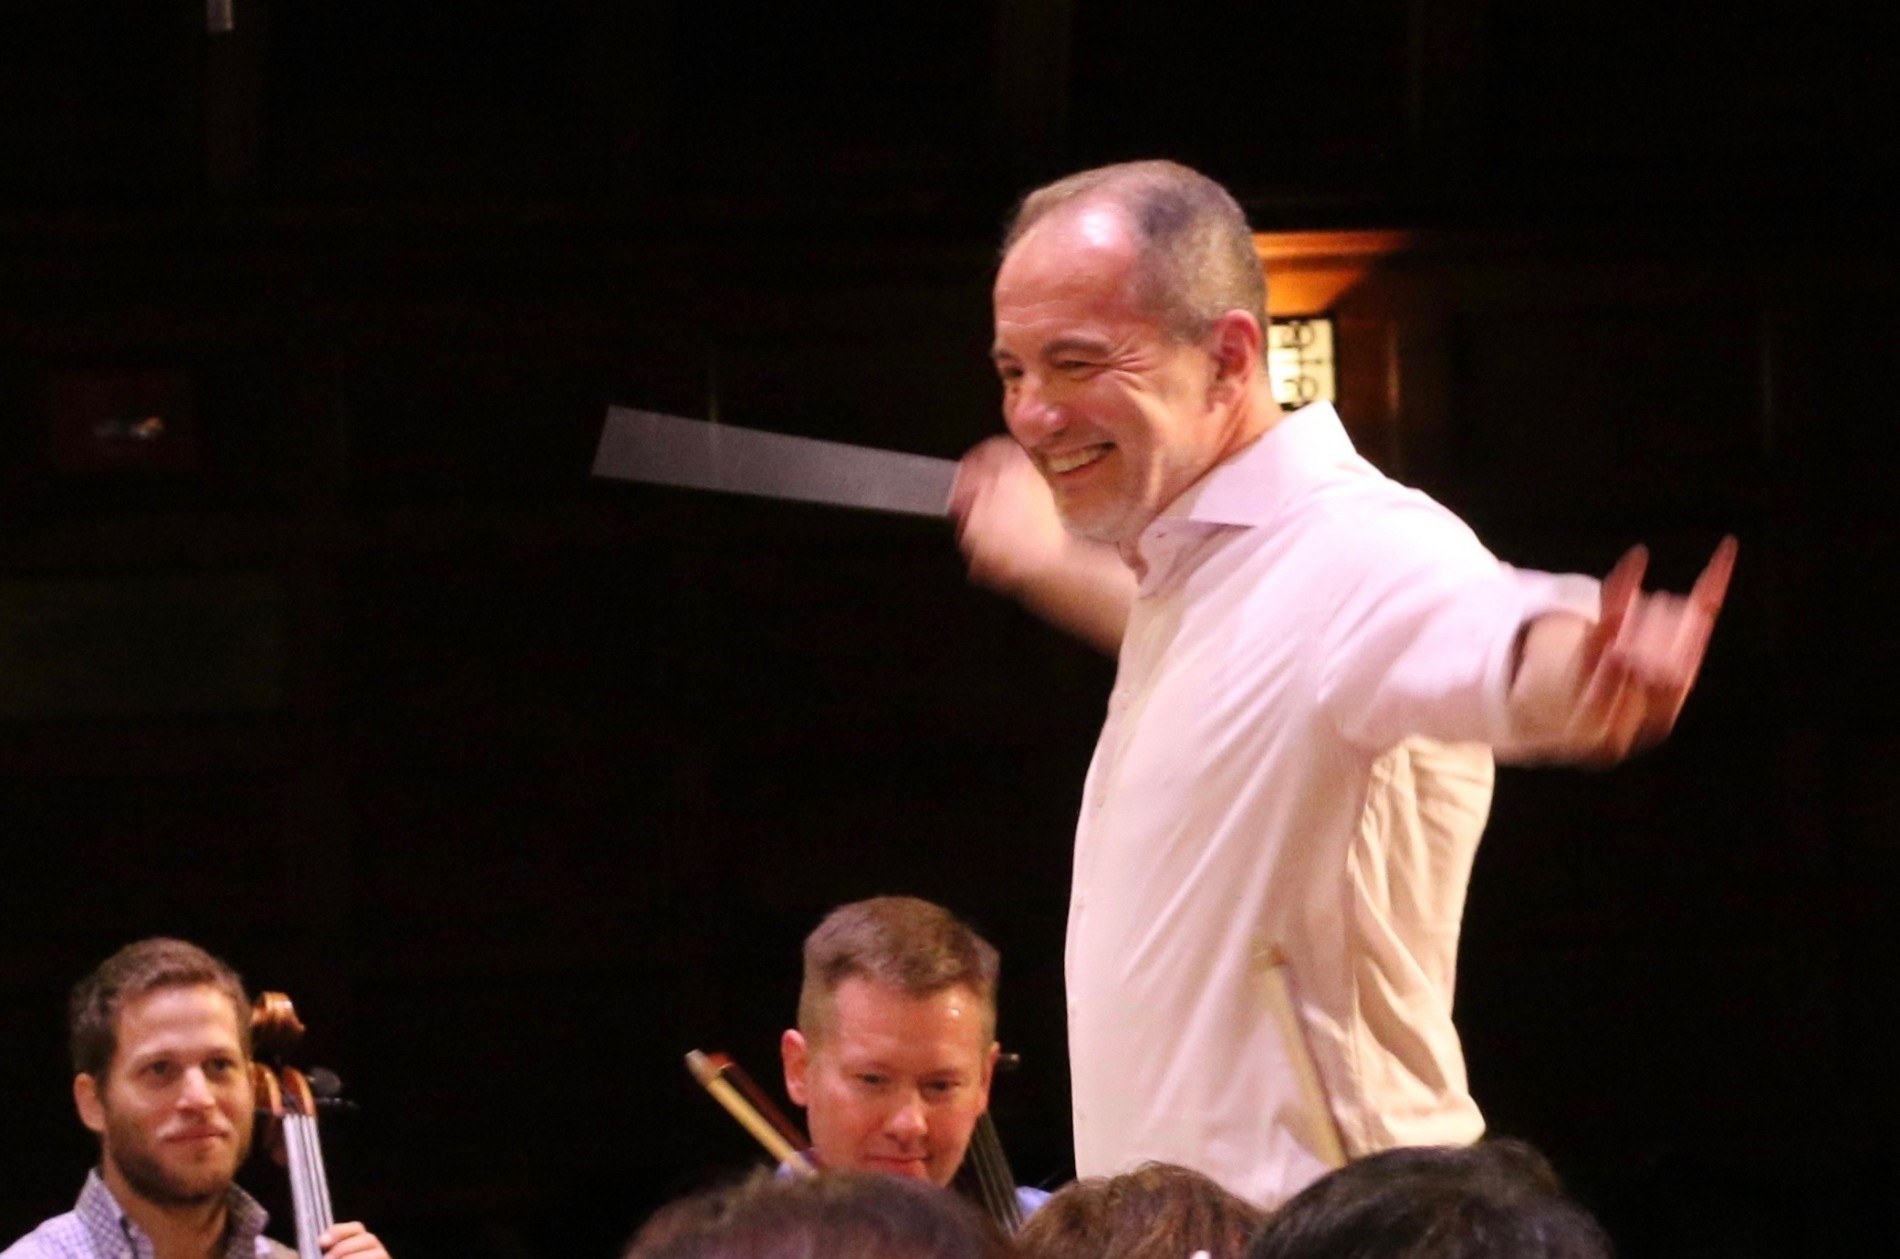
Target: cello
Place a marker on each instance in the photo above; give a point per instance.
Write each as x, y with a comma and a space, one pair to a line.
287, 1095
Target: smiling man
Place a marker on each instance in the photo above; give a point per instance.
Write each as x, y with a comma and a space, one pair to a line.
896, 1040
162, 1053
1316, 668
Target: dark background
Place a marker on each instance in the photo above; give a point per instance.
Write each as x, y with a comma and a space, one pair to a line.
524, 784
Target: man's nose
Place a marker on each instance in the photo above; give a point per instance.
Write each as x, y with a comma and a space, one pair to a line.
195, 1090
909, 1120
1031, 415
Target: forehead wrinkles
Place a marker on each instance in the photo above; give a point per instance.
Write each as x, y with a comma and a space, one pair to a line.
1076, 311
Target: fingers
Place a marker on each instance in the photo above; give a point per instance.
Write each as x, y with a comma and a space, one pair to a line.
1007, 525
1618, 592
1664, 637
1645, 654
981, 467
350, 1241
1622, 586
1712, 586
1619, 713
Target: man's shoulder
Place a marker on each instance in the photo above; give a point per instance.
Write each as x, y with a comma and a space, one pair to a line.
62, 1237
269, 1249
1030, 1199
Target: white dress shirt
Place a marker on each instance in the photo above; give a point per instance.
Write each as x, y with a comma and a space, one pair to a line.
1287, 795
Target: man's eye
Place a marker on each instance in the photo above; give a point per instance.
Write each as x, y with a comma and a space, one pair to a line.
158, 1070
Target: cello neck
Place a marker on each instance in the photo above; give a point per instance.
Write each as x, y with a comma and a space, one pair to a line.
292, 1104
309, 1182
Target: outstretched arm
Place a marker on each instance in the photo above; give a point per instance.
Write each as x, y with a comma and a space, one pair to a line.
1594, 692
1015, 544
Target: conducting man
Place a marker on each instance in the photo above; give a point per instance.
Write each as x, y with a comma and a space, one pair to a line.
1316, 666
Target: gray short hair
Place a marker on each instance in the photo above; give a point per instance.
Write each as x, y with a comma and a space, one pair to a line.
1197, 259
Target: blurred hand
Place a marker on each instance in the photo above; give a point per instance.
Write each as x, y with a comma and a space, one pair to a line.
350, 1241
1617, 686
1014, 542
1007, 525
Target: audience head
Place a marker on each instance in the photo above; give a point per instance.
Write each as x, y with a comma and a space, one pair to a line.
896, 1038
1494, 1200
1159, 1211
839, 1215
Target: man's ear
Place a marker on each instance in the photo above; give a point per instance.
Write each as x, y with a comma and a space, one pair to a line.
989, 1070
796, 1055
1235, 341
92, 1112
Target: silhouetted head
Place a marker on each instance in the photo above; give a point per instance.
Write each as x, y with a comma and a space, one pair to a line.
1493, 1200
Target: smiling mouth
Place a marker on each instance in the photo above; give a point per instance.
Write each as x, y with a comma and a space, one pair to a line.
1072, 460
196, 1138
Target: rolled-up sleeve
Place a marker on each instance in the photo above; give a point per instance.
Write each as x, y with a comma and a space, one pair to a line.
1422, 636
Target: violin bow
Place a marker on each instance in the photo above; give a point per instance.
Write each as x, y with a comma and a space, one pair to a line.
732, 1088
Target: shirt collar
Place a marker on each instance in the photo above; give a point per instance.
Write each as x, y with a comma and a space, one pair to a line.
113, 1232
1245, 489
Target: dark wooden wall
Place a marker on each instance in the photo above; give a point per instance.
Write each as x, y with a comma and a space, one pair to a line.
523, 784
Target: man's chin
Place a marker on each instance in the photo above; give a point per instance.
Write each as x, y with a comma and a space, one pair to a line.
171, 1187
1096, 526
909, 1168
1097, 519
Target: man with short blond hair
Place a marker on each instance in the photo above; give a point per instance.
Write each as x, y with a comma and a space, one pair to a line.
896, 1040
902, 943
161, 1049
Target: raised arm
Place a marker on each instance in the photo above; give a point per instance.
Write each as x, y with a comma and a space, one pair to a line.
1015, 544
1594, 692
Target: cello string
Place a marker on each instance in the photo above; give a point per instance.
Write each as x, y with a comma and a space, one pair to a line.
300, 1187
994, 1179
299, 1194
308, 1182
326, 1216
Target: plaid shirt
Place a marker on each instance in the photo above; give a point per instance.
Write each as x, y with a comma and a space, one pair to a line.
97, 1229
